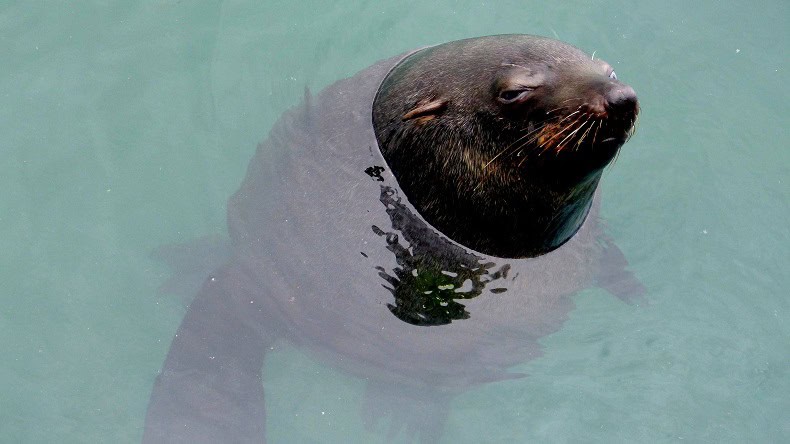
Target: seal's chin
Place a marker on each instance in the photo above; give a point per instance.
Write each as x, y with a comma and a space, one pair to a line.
610, 133
616, 132
608, 147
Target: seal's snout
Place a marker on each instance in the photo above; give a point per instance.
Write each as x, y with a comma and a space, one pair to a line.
621, 100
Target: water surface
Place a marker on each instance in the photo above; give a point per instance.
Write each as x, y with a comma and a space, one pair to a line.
126, 126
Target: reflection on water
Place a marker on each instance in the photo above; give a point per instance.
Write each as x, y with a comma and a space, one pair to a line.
426, 285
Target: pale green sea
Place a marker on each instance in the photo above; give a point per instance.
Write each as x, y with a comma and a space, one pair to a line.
126, 125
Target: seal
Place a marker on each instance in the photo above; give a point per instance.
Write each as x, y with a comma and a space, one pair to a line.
420, 225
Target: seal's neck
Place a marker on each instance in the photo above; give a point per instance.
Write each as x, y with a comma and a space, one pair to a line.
502, 216
537, 220
565, 212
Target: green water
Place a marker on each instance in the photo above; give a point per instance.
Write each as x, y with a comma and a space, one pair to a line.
125, 126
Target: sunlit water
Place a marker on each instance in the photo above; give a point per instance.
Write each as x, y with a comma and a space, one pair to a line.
124, 128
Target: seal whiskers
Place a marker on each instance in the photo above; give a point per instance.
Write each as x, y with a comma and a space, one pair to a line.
520, 139
581, 139
561, 145
546, 144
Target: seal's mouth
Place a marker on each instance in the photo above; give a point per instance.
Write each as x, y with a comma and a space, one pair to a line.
592, 130
583, 131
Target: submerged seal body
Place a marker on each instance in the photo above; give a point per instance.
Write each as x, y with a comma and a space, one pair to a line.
421, 224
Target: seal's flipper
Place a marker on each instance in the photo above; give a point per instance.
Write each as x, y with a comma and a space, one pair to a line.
191, 263
210, 389
614, 276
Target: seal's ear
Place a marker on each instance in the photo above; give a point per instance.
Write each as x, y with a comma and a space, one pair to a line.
426, 110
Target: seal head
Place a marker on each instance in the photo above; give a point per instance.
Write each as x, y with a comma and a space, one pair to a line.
499, 142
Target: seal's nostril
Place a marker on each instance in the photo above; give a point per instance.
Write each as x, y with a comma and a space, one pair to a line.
621, 98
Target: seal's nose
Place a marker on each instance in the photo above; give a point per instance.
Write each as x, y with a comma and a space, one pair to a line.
621, 99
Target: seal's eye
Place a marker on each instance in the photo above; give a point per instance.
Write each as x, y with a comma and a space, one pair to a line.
513, 95
612, 75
